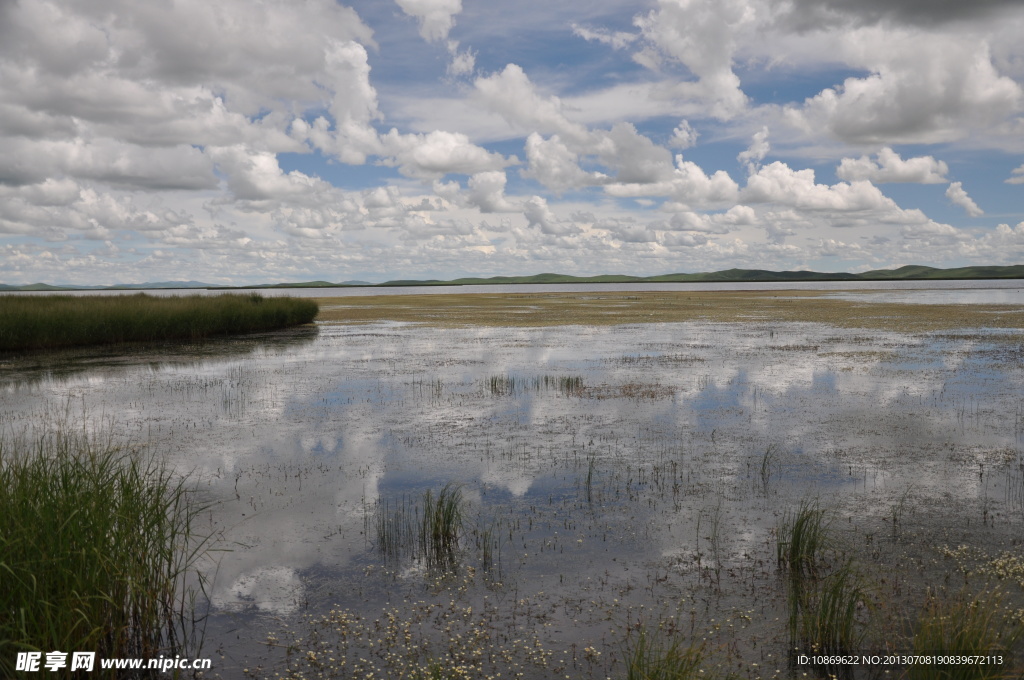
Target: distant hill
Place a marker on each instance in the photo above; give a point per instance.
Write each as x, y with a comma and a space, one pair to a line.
907, 273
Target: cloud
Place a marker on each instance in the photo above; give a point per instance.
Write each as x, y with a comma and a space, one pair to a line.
438, 153
539, 215
779, 185
701, 35
462, 63
511, 94
755, 153
808, 14
889, 167
257, 176
618, 40
1016, 176
683, 240
683, 136
718, 223
957, 195
554, 165
487, 192
688, 184
634, 157
117, 163
436, 17
936, 92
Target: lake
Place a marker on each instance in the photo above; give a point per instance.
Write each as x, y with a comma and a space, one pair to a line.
614, 478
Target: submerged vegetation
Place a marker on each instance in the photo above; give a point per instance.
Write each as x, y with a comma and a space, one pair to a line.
54, 321
96, 545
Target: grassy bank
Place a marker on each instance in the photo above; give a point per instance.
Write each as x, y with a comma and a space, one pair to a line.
95, 545
53, 321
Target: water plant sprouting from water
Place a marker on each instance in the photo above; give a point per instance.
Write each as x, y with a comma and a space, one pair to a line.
827, 610
430, 530
509, 385
802, 540
649, 657
828, 616
442, 525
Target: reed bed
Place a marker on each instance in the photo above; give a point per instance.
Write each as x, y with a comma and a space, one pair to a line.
33, 322
96, 545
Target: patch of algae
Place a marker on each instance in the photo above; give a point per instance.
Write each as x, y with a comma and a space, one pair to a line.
607, 309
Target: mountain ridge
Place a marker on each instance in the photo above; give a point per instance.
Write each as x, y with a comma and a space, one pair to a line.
904, 273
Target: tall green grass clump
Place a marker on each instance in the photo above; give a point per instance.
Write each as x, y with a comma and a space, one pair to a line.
442, 525
96, 543
827, 607
31, 322
650, 658
430, 531
803, 539
967, 625
825, 616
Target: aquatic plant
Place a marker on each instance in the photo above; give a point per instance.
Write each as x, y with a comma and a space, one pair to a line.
96, 545
51, 321
768, 462
505, 385
430, 530
825, 616
651, 658
441, 525
802, 538
395, 527
590, 481
967, 625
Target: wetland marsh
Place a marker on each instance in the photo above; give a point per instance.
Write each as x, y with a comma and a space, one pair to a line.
626, 465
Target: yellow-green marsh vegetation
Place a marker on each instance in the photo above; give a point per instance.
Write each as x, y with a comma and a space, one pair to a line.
32, 322
607, 309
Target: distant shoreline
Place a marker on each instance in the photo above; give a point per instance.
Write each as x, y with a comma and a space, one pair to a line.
906, 273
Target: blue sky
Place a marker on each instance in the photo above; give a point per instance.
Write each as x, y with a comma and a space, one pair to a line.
236, 142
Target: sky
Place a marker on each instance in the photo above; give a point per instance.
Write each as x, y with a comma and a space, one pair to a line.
257, 141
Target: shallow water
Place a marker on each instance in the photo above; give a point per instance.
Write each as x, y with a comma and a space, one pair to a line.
695, 437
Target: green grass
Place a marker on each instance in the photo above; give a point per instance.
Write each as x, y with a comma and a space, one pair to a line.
967, 625
651, 658
53, 321
96, 543
802, 540
827, 610
829, 616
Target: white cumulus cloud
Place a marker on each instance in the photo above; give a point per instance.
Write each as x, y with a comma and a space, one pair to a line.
436, 17
890, 167
958, 195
